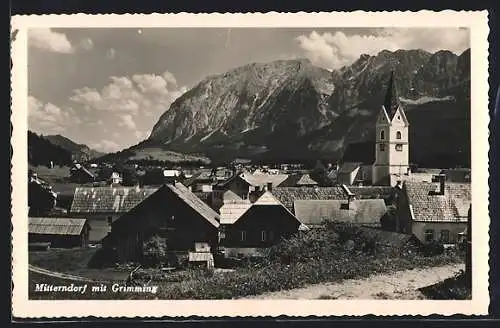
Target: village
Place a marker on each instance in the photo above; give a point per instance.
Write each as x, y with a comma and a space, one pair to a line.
143, 218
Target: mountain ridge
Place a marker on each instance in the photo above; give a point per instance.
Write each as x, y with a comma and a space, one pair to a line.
294, 108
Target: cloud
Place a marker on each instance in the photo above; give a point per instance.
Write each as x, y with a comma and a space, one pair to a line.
86, 44
148, 93
48, 118
107, 146
128, 122
333, 51
48, 40
111, 53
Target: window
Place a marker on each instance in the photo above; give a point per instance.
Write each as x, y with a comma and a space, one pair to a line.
399, 117
445, 236
243, 235
382, 135
271, 235
399, 147
263, 235
429, 235
244, 196
381, 147
398, 135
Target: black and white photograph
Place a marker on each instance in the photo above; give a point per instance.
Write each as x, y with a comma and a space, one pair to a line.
253, 163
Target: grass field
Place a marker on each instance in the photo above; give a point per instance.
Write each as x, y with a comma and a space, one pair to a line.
54, 175
164, 155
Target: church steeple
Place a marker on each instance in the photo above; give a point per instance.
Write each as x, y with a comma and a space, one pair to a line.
391, 101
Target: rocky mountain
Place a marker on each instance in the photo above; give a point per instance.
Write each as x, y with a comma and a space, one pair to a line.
291, 109
80, 152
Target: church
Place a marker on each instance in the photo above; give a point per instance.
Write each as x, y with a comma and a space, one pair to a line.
386, 161
391, 141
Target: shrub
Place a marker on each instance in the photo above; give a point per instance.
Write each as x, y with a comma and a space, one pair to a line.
432, 248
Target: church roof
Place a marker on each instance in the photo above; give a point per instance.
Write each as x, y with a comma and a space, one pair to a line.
391, 101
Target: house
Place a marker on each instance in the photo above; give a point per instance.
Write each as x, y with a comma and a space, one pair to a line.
59, 232
115, 178
362, 212
80, 174
434, 211
287, 195
172, 213
248, 228
103, 205
353, 173
298, 180
171, 176
201, 181
244, 184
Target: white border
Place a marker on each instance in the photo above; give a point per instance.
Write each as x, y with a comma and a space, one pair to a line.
476, 21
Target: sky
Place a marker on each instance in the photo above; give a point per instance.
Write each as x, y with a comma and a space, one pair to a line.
107, 87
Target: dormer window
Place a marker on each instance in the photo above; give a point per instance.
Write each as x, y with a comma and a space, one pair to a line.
398, 134
382, 135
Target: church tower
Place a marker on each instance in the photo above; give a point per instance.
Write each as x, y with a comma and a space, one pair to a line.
391, 141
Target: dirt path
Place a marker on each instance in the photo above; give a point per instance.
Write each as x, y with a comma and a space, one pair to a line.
398, 285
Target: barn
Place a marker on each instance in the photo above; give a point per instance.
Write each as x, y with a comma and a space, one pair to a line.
59, 232
172, 215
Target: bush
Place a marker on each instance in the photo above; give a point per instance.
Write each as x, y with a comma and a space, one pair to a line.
432, 249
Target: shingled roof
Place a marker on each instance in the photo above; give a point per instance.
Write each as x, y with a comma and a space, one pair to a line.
364, 211
195, 203
287, 195
56, 226
427, 206
108, 199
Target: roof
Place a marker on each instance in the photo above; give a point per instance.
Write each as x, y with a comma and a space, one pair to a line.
171, 173
287, 195
262, 179
230, 195
56, 226
391, 100
231, 212
426, 206
296, 180
364, 192
420, 177
195, 203
83, 169
108, 199
267, 199
457, 175
349, 167
363, 211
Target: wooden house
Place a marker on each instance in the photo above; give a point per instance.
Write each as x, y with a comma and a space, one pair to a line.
247, 228
103, 205
433, 211
80, 174
245, 183
59, 232
173, 214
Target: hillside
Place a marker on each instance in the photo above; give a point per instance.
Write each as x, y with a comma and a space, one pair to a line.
41, 151
80, 152
291, 109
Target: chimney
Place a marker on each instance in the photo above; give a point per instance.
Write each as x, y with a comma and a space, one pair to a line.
269, 186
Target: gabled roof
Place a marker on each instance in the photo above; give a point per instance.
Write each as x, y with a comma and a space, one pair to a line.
56, 226
287, 195
297, 180
108, 199
363, 211
267, 199
231, 212
229, 196
195, 203
83, 169
427, 206
349, 167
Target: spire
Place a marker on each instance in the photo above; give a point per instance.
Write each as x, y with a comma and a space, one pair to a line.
391, 101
